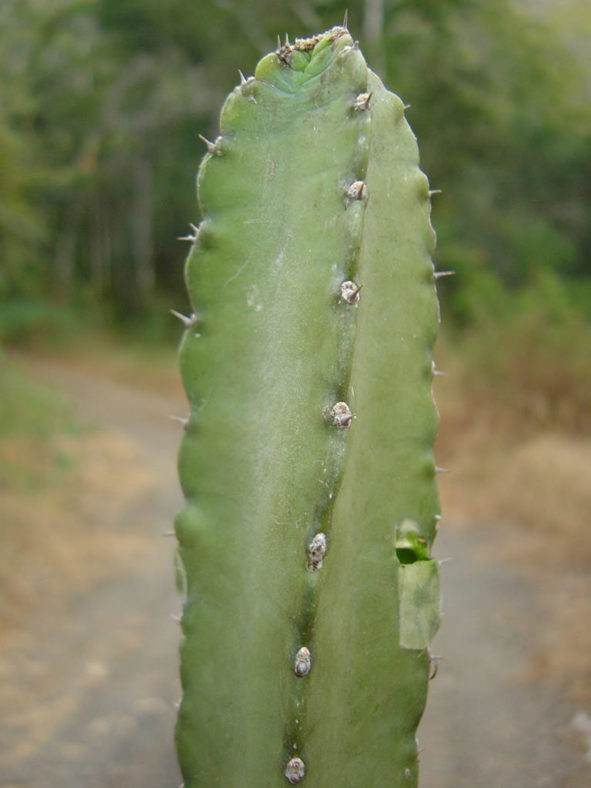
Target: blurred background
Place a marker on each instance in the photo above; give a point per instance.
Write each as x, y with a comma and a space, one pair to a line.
100, 108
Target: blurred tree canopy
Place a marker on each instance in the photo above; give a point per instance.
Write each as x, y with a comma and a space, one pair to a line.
102, 101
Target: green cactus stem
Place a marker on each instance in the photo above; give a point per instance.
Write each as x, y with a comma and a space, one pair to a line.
307, 466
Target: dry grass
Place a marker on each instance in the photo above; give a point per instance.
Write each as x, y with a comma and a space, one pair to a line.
516, 456
542, 484
67, 535
153, 367
525, 461
562, 656
61, 498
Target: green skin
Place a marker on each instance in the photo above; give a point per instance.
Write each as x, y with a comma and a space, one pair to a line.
262, 465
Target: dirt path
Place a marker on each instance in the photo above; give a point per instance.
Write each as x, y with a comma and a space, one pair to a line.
488, 723
88, 689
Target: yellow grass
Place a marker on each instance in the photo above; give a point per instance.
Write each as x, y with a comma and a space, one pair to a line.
516, 438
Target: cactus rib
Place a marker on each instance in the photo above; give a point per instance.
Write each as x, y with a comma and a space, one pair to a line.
307, 467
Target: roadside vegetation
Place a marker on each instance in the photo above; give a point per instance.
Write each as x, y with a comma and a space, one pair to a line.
61, 496
101, 104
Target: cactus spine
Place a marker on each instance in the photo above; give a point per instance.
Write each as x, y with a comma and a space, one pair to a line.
307, 466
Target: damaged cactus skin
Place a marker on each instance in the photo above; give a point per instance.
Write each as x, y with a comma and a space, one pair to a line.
306, 464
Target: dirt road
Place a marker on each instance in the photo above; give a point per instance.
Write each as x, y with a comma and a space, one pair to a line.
488, 724
89, 688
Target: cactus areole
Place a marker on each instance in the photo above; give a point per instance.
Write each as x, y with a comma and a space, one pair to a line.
306, 464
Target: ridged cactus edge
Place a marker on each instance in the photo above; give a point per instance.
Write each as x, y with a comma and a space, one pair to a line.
307, 465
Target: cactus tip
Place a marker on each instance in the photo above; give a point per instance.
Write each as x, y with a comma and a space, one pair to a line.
346, 19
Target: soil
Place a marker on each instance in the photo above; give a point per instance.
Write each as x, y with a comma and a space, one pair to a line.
492, 721
89, 679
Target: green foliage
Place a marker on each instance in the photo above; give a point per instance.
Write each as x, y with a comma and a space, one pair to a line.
29, 409
92, 201
307, 461
34, 324
92, 114
513, 170
528, 350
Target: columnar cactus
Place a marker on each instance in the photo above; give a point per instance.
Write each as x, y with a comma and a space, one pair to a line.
307, 466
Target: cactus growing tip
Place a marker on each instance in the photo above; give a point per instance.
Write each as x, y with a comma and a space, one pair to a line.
292, 65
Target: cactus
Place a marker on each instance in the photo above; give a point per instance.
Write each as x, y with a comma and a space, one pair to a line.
307, 465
